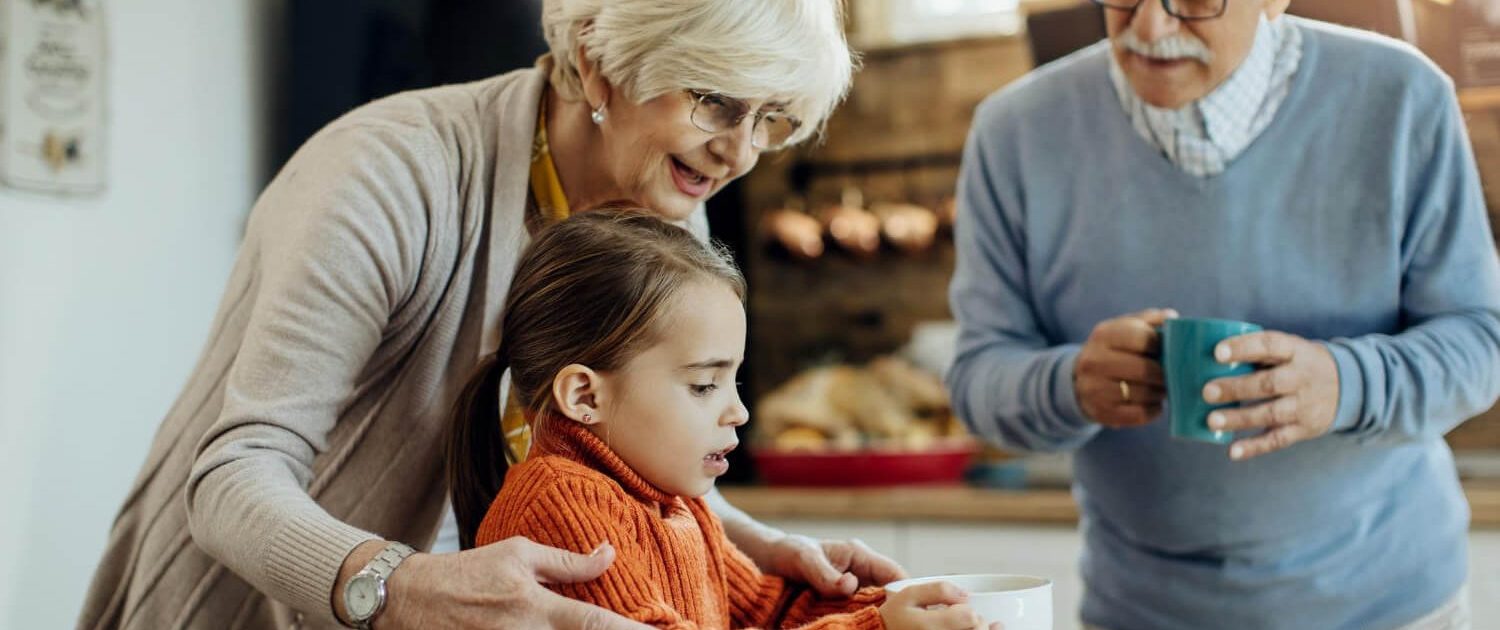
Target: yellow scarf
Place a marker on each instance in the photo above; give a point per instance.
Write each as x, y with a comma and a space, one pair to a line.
547, 190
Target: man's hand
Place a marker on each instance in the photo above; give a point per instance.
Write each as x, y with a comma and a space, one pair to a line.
832, 567
1299, 391
1117, 379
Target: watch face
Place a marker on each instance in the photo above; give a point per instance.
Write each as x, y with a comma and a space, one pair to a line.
362, 596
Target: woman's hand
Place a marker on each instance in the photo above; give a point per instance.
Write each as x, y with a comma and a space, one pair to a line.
908, 608
497, 586
1298, 393
1117, 378
834, 568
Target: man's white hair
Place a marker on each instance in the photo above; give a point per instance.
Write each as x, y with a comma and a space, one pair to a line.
790, 51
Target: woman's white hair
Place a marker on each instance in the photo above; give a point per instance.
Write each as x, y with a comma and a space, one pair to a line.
790, 51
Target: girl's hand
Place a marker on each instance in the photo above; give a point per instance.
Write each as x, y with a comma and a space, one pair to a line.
935, 605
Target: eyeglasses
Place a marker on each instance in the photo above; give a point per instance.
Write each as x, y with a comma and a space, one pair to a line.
716, 113
1180, 9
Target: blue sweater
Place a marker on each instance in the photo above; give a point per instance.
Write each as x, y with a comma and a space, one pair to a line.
1355, 219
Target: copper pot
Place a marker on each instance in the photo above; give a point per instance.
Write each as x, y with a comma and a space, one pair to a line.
855, 229
908, 227
795, 231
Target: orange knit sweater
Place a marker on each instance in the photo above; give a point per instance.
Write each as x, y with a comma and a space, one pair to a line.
674, 567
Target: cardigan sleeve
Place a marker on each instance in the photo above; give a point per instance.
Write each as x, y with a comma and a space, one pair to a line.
335, 246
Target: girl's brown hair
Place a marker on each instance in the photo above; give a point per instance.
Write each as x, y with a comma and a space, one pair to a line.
589, 290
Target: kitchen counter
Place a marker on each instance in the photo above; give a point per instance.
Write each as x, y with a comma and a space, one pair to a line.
976, 505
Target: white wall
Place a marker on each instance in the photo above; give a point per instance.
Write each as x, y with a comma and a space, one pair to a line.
104, 301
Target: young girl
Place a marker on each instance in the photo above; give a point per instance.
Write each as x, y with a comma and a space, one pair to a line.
623, 335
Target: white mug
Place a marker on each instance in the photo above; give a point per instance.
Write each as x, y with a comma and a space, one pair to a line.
1019, 602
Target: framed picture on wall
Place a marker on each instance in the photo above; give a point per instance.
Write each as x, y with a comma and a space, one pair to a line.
52, 95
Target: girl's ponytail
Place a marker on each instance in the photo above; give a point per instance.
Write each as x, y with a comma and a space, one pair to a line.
477, 449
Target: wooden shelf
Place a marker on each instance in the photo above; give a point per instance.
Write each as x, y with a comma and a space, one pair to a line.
940, 503
968, 504
1478, 99
1484, 501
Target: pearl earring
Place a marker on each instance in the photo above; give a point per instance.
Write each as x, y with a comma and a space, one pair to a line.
598, 115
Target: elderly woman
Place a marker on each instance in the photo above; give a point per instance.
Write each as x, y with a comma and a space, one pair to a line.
308, 441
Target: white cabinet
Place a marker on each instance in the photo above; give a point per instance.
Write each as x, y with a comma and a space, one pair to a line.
1050, 552
1484, 577
933, 548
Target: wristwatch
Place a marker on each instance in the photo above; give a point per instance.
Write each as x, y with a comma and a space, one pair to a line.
364, 594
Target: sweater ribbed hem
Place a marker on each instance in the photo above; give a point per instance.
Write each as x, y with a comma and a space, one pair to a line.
303, 561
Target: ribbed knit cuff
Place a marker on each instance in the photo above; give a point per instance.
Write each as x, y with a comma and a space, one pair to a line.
1351, 388
867, 618
1065, 397
303, 561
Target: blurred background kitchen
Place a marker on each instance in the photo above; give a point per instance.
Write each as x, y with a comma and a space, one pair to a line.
117, 234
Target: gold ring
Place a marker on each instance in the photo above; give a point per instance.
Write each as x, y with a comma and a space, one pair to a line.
1124, 391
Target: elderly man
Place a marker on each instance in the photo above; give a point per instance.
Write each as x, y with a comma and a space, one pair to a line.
1217, 159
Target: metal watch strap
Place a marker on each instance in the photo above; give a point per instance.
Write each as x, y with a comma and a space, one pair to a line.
381, 566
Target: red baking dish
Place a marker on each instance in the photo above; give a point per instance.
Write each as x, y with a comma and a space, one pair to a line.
942, 462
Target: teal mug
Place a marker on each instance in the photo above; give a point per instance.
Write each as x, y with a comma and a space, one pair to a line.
1187, 359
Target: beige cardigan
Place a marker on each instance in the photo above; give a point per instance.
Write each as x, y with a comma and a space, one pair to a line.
365, 291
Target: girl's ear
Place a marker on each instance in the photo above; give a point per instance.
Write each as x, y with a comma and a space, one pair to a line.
575, 391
